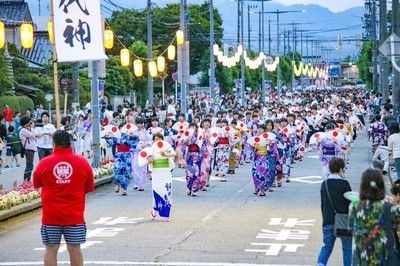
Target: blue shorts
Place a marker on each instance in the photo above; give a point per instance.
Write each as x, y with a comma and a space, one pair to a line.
73, 234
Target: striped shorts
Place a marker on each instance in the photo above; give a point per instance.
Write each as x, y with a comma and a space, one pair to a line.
73, 234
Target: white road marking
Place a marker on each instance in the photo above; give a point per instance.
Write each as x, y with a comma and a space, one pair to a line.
313, 179
21, 263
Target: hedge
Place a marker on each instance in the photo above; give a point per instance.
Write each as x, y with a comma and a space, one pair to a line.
17, 103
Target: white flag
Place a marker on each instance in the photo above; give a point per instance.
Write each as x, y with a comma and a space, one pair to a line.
78, 30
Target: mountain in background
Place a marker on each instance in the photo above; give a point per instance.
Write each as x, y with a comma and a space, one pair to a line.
317, 22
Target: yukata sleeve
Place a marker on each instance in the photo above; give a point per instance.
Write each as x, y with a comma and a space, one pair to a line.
133, 142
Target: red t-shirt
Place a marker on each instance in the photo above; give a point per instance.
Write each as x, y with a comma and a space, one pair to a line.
8, 114
65, 178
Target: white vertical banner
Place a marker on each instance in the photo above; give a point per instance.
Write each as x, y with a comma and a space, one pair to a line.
78, 30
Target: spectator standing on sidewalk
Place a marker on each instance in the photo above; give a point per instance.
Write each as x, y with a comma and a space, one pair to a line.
65, 178
28, 135
8, 114
45, 136
394, 146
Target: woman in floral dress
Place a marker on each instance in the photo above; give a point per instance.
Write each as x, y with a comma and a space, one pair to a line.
367, 219
206, 151
193, 162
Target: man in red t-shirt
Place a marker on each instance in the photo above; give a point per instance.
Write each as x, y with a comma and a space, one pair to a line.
65, 178
8, 114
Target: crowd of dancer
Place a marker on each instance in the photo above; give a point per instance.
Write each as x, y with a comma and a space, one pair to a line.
272, 136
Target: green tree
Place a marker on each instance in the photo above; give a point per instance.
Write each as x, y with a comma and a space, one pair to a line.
364, 63
6, 82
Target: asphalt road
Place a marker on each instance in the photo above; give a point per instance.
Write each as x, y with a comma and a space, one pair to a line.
226, 225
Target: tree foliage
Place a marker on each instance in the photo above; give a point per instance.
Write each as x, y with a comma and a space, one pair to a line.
364, 63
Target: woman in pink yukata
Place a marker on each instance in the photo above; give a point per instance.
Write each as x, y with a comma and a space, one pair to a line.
327, 150
206, 151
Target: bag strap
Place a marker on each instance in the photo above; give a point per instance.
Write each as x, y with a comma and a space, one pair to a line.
329, 196
392, 236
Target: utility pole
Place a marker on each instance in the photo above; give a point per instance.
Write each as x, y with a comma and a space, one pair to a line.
248, 27
384, 84
212, 60
374, 48
75, 83
150, 88
242, 81
183, 67
269, 37
259, 30
238, 22
396, 74
263, 92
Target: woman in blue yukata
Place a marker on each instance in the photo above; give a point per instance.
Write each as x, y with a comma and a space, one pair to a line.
264, 164
272, 156
122, 161
161, 165
193, 162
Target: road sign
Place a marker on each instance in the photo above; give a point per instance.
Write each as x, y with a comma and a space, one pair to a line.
386, 47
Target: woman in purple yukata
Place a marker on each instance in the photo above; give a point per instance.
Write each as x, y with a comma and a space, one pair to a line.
193, 162
206, 151
272, 155
122, 161
139, 173
280, 145
378, 132
327, 149
222, 153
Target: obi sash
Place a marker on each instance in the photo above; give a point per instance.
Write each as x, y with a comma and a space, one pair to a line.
193, 148
123, 147
329, 150
161, 163
223, 140
261, 150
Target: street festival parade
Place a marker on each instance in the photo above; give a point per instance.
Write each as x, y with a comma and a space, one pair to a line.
194, 132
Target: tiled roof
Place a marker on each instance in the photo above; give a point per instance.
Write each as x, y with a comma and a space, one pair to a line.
14, 12
40, 53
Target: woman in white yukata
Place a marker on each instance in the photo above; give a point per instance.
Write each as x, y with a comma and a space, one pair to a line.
161, 165
139, 173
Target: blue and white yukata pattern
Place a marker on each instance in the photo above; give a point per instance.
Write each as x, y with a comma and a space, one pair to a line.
193, 166
122, 160
139, 173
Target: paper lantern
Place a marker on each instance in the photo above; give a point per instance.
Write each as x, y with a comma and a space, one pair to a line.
171, 52
160, 64
26, 35
153, 69
108, 39
180, 38
215, 48
138, 68
2, 35
50, 31
124, 57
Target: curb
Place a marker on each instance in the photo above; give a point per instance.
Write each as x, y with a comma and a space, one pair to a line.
37, 203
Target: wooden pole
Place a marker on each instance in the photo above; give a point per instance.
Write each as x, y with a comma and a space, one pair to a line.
55, 72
